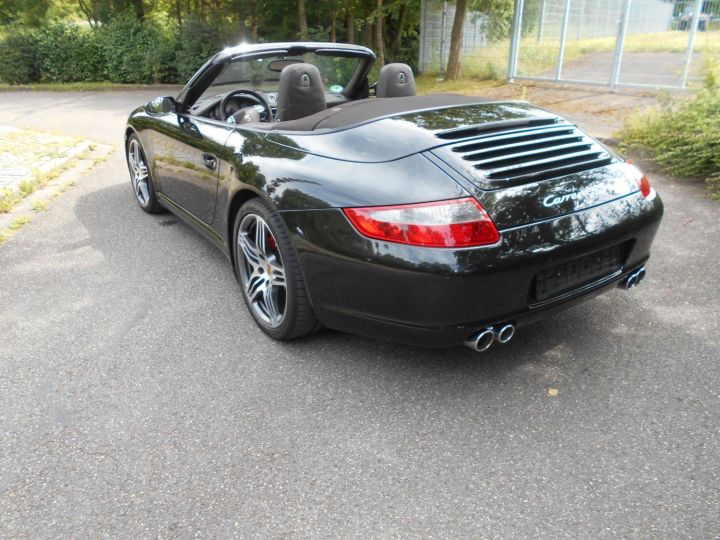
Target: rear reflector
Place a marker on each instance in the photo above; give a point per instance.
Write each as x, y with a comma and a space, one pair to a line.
448, 224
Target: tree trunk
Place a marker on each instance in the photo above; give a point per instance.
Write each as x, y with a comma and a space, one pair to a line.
453, 66
368, 34
367, 31
303, 19
253, 21
90, 12
333, 26
178, 13
350, 26
394, 46
380, 42
139, 9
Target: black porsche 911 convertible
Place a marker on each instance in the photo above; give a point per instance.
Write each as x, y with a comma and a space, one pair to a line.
434, 220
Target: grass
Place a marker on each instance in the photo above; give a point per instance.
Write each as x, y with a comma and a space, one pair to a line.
10, 198
432, 84
19, 222
682, 135
40, 205
491, 62
15, 225
28, 148
27, 187
7, 200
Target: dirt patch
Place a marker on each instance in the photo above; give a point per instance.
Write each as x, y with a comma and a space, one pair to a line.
598, 111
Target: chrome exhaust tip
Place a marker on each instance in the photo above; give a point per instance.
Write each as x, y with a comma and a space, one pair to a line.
633, 279
504, 333
481, 341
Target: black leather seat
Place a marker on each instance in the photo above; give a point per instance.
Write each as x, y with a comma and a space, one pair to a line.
300, 92
395, 80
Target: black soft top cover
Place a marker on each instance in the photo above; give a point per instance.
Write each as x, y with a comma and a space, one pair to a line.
365, 110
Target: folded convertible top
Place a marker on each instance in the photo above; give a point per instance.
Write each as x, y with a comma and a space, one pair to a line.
366, 110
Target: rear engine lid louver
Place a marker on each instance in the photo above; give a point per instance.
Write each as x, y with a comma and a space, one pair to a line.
507, 157
494, 127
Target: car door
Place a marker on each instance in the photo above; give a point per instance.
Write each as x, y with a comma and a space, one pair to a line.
186, 160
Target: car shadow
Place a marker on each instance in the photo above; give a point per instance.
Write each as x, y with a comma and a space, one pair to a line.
138, 246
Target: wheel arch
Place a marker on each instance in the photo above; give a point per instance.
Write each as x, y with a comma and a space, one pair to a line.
129, 130
239, 198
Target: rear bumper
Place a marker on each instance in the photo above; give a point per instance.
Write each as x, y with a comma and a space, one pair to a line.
436, 297
450, 336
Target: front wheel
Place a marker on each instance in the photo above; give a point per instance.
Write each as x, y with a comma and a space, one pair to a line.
269, 273
140, 177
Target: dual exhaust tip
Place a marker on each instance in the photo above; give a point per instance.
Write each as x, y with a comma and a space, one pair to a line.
633, 279
483, 340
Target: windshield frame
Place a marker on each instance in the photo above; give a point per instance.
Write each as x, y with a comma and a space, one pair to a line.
205, 76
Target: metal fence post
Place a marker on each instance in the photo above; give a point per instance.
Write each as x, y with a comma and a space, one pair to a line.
619, 46
691, 41
541, 21
581, 20
563, 39
442, 37
423, 36
515, 41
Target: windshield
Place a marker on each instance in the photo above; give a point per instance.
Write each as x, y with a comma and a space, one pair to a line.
263, 74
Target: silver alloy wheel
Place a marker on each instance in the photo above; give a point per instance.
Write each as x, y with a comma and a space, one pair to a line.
139, 172
261, 271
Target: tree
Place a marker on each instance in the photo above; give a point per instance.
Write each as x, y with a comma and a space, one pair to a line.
453, 66
399, 12
379, 36
334, 7
27, 12
302, 19
497, 16
349, 22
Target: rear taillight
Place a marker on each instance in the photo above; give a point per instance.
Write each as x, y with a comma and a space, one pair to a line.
447, 224
645, 188
642, 180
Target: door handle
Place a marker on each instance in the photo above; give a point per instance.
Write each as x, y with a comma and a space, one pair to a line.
210, 161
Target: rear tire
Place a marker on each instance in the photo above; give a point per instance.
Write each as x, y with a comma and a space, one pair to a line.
268, 270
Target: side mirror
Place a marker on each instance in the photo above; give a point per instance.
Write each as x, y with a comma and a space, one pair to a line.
161, 105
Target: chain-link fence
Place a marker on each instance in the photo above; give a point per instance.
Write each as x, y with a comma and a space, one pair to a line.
643, 43
484, 51
436, 21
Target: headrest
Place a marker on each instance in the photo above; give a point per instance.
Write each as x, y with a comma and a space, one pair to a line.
300, 92
395, 80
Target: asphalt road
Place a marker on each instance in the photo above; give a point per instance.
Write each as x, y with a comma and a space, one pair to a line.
138, 399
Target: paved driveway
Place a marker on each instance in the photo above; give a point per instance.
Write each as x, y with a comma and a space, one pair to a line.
137, 399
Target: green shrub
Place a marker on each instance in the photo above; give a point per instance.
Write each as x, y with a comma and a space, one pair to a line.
129, 48
409, 53
69, 54
199, 41
682, 135
19, 57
